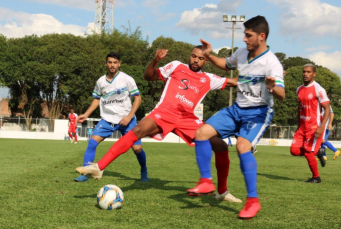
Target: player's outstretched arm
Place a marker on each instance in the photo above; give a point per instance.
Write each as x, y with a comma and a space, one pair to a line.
217, 61
277, 92
150, 73
232, 82
93, 106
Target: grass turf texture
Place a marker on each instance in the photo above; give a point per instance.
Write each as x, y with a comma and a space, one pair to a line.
38, 191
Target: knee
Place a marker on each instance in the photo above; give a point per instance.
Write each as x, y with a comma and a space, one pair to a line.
295, 151
137, 149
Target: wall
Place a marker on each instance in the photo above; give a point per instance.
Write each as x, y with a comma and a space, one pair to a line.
61, 127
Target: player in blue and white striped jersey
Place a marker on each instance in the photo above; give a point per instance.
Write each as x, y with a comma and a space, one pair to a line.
112, 94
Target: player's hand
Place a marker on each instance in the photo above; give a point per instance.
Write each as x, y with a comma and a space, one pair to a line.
125, 120
82, 118
206, 48
270, 83
160, 54
330, 126
319, 131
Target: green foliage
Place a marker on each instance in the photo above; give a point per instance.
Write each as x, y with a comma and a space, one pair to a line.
39, 192
61, 70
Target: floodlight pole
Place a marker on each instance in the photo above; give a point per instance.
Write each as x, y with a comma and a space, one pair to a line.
234, 22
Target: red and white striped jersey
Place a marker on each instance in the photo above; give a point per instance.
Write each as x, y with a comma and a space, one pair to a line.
73, 118
185, 89
310, 99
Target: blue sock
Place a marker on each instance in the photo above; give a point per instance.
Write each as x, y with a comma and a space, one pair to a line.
248, 166
330, 146
141, 157
90, 152
203, 151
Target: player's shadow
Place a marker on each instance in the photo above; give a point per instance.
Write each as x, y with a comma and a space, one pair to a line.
166, 185
274, 177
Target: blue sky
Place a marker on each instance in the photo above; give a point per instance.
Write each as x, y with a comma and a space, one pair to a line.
306, 28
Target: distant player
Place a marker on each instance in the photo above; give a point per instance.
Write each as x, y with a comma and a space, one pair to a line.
112, 93
311, 124
72, 125
186, 86
90, 129
326, 143
260, 80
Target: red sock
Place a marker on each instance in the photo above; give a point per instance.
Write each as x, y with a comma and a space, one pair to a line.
120, 147
70, 135
312, 163
222, 163
205, 180
75, 137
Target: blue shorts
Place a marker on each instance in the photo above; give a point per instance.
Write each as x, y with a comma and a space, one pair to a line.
326, 134
105, 129
249, 123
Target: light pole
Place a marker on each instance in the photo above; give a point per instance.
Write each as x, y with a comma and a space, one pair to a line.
234, 21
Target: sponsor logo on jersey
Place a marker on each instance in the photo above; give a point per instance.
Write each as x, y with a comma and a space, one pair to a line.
157, 116
321, 95
113, 101
250, 93
186, 85
203, 80
305, 118
118, 91
183, 99
310, 96
168, 67
198, 121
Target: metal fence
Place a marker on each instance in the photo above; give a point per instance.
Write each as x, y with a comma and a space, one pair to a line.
43, 125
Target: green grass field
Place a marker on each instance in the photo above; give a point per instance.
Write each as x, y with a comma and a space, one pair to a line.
38, 191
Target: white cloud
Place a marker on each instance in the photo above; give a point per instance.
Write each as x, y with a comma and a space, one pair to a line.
83, 4
318, 48
218, 49
309, 18
329, 60
209, 20
19, 24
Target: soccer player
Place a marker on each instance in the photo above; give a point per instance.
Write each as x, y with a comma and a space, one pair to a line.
260, 79
311, 124
186, 86
325, 142
72, 125
90, 129
112, 93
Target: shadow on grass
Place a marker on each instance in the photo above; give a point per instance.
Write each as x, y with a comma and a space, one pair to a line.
156, 183
275, 177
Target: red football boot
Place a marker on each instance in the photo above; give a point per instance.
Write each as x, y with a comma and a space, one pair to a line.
205, 186
250, 209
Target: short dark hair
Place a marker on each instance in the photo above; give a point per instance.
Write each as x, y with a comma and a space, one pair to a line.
310, 65
113, 55
198, 47
258, 24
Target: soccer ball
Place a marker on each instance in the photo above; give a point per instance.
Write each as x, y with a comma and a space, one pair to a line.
110, 197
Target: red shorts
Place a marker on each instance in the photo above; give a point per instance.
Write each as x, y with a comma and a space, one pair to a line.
182, 125
306, 139
72, 128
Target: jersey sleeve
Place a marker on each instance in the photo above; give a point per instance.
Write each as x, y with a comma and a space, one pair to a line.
322, 95
97, 93
132, 87
232, 61
276, 71
217, 82
168, 69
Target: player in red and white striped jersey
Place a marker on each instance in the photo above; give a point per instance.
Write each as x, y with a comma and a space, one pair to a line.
72, 125
308, 137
